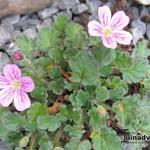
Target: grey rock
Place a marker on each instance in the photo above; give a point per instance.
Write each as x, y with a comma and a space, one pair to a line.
5, 35
67, 4
48, 12
79, 9
3, 146
138, 29
27, 23
148, 31
144, 2
93, 6
135, 12
31, 33
144, 12
45, 23
12, 48
11, 19
4, 59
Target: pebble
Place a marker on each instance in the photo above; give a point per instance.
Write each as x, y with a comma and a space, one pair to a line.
46, 13
31, 33
148, 31
135, 12
11, 19
144, 12
67, 4
93, 6
4, 60
5, 35
138, 29
3, 146
79, 9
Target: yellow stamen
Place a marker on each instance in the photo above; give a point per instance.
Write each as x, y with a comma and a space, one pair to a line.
107, 32
102, 111
16, 84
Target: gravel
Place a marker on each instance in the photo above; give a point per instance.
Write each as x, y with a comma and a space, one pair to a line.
79, 9
46, 13
148, 31
11, 19
4, 59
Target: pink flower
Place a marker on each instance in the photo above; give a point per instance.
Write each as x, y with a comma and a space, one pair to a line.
110, 28
14, 88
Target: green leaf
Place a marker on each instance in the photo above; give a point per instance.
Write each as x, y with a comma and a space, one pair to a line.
83, 70
48, 38
60, 23
35, 111
142, 51
136, 72
26, 45
49, 122
57, 86
104, 55
84, 145
106, 139
79, 99
11, 121
102, 93
55, 72
97, 121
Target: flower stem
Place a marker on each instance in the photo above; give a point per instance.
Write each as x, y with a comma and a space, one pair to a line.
33, 140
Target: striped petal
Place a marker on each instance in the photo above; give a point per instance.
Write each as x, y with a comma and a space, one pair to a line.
119, 20
109, 42
21, 100
104, 14
95, 28
122, 37
27, 84
6, 96
12, 72
4, 82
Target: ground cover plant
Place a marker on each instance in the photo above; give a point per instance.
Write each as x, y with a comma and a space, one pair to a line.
84, 91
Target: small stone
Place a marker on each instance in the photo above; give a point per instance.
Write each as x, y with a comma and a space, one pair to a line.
148, 31
67, 4
3, 146
5, 35
31, 33
93, 6
79, 9
11, 19
45, 23
144, 2
135, 12
48, 12
144, 12
138, 29
4, 60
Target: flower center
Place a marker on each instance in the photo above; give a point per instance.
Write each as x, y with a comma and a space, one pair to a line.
107, 31
16, 84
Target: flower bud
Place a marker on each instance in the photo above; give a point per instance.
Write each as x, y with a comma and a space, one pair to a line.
102, 111
17, 55
24, 141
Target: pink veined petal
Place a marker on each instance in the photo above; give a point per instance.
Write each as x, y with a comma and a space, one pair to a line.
119, 20
122, 37
4, 82
109, 42
6, 96
104, 14
21, 100
95, 28
12, 72
27, 84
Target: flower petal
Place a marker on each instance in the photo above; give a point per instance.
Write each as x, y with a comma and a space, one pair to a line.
4, 82
12, 72
109, 42
21, 100
104, 14
27, 84
122, 37
119, 20
95, 28
6, 96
